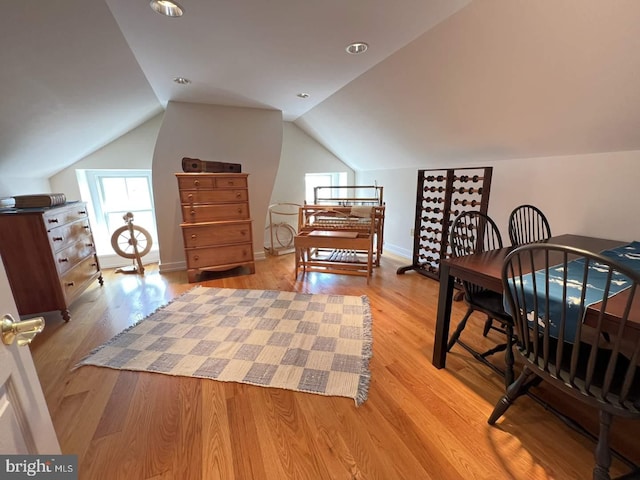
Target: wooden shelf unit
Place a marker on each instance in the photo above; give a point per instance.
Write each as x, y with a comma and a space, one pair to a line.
442, 194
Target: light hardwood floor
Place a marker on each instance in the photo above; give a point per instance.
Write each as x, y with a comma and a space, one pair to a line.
418, 422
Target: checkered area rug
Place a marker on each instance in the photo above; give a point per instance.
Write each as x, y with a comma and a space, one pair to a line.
304, 342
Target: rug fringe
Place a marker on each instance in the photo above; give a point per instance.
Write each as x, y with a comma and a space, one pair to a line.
367, 353
115, 337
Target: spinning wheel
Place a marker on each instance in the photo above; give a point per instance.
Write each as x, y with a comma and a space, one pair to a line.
133, 242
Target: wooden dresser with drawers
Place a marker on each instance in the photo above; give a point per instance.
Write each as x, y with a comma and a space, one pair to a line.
216, 227
49, 256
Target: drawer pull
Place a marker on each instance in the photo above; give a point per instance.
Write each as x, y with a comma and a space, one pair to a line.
240, 210
238, 195
94, 264
82, 212
89, 244
63, 260
196, 257
192, 212
52, 220
86, 227
196, 182
190, 196
69, 284
243, 232
194, 236
58, 239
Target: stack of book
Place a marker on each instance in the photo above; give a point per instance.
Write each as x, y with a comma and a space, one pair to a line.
40, 200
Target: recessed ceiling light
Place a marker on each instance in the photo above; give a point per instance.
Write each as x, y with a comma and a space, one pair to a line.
165, 7
357, 48
303, 95
181, 80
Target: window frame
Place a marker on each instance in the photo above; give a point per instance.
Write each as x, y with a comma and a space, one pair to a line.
95, 187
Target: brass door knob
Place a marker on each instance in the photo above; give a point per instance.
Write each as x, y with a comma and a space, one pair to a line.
24, 331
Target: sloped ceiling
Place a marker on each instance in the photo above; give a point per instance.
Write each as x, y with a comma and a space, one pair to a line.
497, 80
76, 74
258, 53
444, 81
69, 85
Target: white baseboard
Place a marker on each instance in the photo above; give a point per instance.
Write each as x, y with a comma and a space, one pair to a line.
398, 252
116, 261
172, 266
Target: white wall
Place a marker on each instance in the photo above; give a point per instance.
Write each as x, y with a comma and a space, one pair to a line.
10, 186
399, 194
593, 195
302, 154
133, 150
249, 136
299, 154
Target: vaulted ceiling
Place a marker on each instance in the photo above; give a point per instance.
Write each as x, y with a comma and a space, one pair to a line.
76, 74
442, 81
499, 80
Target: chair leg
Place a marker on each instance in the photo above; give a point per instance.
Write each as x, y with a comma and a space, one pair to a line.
514, 390
508, 357
487, 326
498, 348
603, 453
455, 335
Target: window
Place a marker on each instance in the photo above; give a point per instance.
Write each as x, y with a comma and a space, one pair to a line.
312, 180
113, 193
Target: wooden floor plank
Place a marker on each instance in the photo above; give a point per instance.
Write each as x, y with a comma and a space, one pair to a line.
418, 422
285, 435
217, 454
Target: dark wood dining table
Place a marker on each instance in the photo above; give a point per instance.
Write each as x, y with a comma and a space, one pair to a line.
485, 269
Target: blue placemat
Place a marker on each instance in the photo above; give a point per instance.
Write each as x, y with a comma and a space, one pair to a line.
628, 255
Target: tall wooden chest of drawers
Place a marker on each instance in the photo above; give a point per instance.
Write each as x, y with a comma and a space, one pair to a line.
216, 227
49, 256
